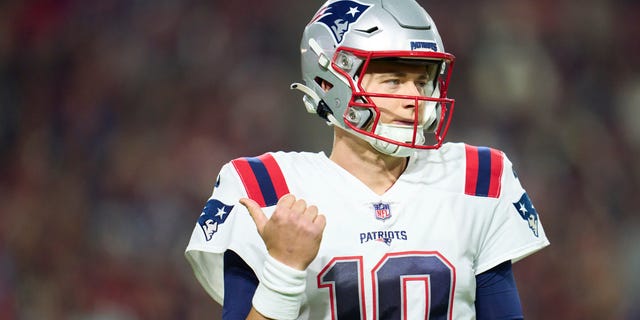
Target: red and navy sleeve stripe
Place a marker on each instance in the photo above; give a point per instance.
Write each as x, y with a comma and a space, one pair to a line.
262, 179
484, 171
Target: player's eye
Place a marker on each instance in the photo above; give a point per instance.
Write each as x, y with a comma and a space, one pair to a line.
421, 84
393, 81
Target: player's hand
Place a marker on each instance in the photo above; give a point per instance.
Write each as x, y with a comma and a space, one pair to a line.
293, 233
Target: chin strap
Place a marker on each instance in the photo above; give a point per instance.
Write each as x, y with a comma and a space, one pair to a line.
398, 133
313, 103
310, 99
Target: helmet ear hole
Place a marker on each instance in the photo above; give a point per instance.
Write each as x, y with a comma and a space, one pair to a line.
324, 84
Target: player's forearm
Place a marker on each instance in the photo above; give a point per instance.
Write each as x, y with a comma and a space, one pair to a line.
280, 293
255, 315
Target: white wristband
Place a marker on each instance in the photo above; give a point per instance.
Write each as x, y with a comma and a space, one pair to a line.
281, 290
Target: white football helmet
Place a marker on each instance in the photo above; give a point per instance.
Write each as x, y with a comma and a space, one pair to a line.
337, 46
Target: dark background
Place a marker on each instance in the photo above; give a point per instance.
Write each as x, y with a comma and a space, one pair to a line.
115, 117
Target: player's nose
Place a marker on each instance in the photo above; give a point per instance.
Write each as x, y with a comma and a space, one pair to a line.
411, 88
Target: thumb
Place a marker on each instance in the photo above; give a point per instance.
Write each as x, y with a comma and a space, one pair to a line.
256, 213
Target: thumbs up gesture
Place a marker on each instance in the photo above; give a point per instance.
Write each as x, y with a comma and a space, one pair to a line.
293, 233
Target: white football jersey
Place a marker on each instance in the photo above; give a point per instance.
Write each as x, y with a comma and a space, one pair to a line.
410, 253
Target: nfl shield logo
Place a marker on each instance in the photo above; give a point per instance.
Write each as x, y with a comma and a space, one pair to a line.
382, 210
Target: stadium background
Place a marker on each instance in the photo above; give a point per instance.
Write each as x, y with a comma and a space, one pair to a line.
115, 117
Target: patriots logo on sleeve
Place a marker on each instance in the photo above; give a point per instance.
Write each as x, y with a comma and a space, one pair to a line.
338, 16
213, 215
527, 212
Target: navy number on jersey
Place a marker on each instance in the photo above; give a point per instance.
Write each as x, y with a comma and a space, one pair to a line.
425, 278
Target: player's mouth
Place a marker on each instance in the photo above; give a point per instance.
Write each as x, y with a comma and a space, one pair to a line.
403, 123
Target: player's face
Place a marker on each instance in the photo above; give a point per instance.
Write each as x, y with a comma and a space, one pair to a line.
390, 77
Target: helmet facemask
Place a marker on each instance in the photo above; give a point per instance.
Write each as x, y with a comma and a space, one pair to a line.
431, 112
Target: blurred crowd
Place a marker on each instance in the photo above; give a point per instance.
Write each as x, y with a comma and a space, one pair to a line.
115, 117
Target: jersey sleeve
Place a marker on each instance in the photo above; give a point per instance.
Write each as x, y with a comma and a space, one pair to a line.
224, 224
514, 230
217, 229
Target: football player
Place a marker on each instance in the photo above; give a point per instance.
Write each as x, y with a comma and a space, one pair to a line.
393, 223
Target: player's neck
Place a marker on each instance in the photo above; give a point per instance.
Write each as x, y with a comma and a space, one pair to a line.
376, 170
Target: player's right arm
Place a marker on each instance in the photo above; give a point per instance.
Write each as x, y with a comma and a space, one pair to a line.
231, 261
292, 236
255, 315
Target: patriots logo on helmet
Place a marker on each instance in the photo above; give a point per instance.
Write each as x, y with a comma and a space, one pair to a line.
214, 214
527, 212
338, 16
424, 45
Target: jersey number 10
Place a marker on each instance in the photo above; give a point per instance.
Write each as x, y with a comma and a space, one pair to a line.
343, 276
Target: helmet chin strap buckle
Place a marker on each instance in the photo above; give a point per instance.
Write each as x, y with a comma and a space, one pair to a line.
312, 101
